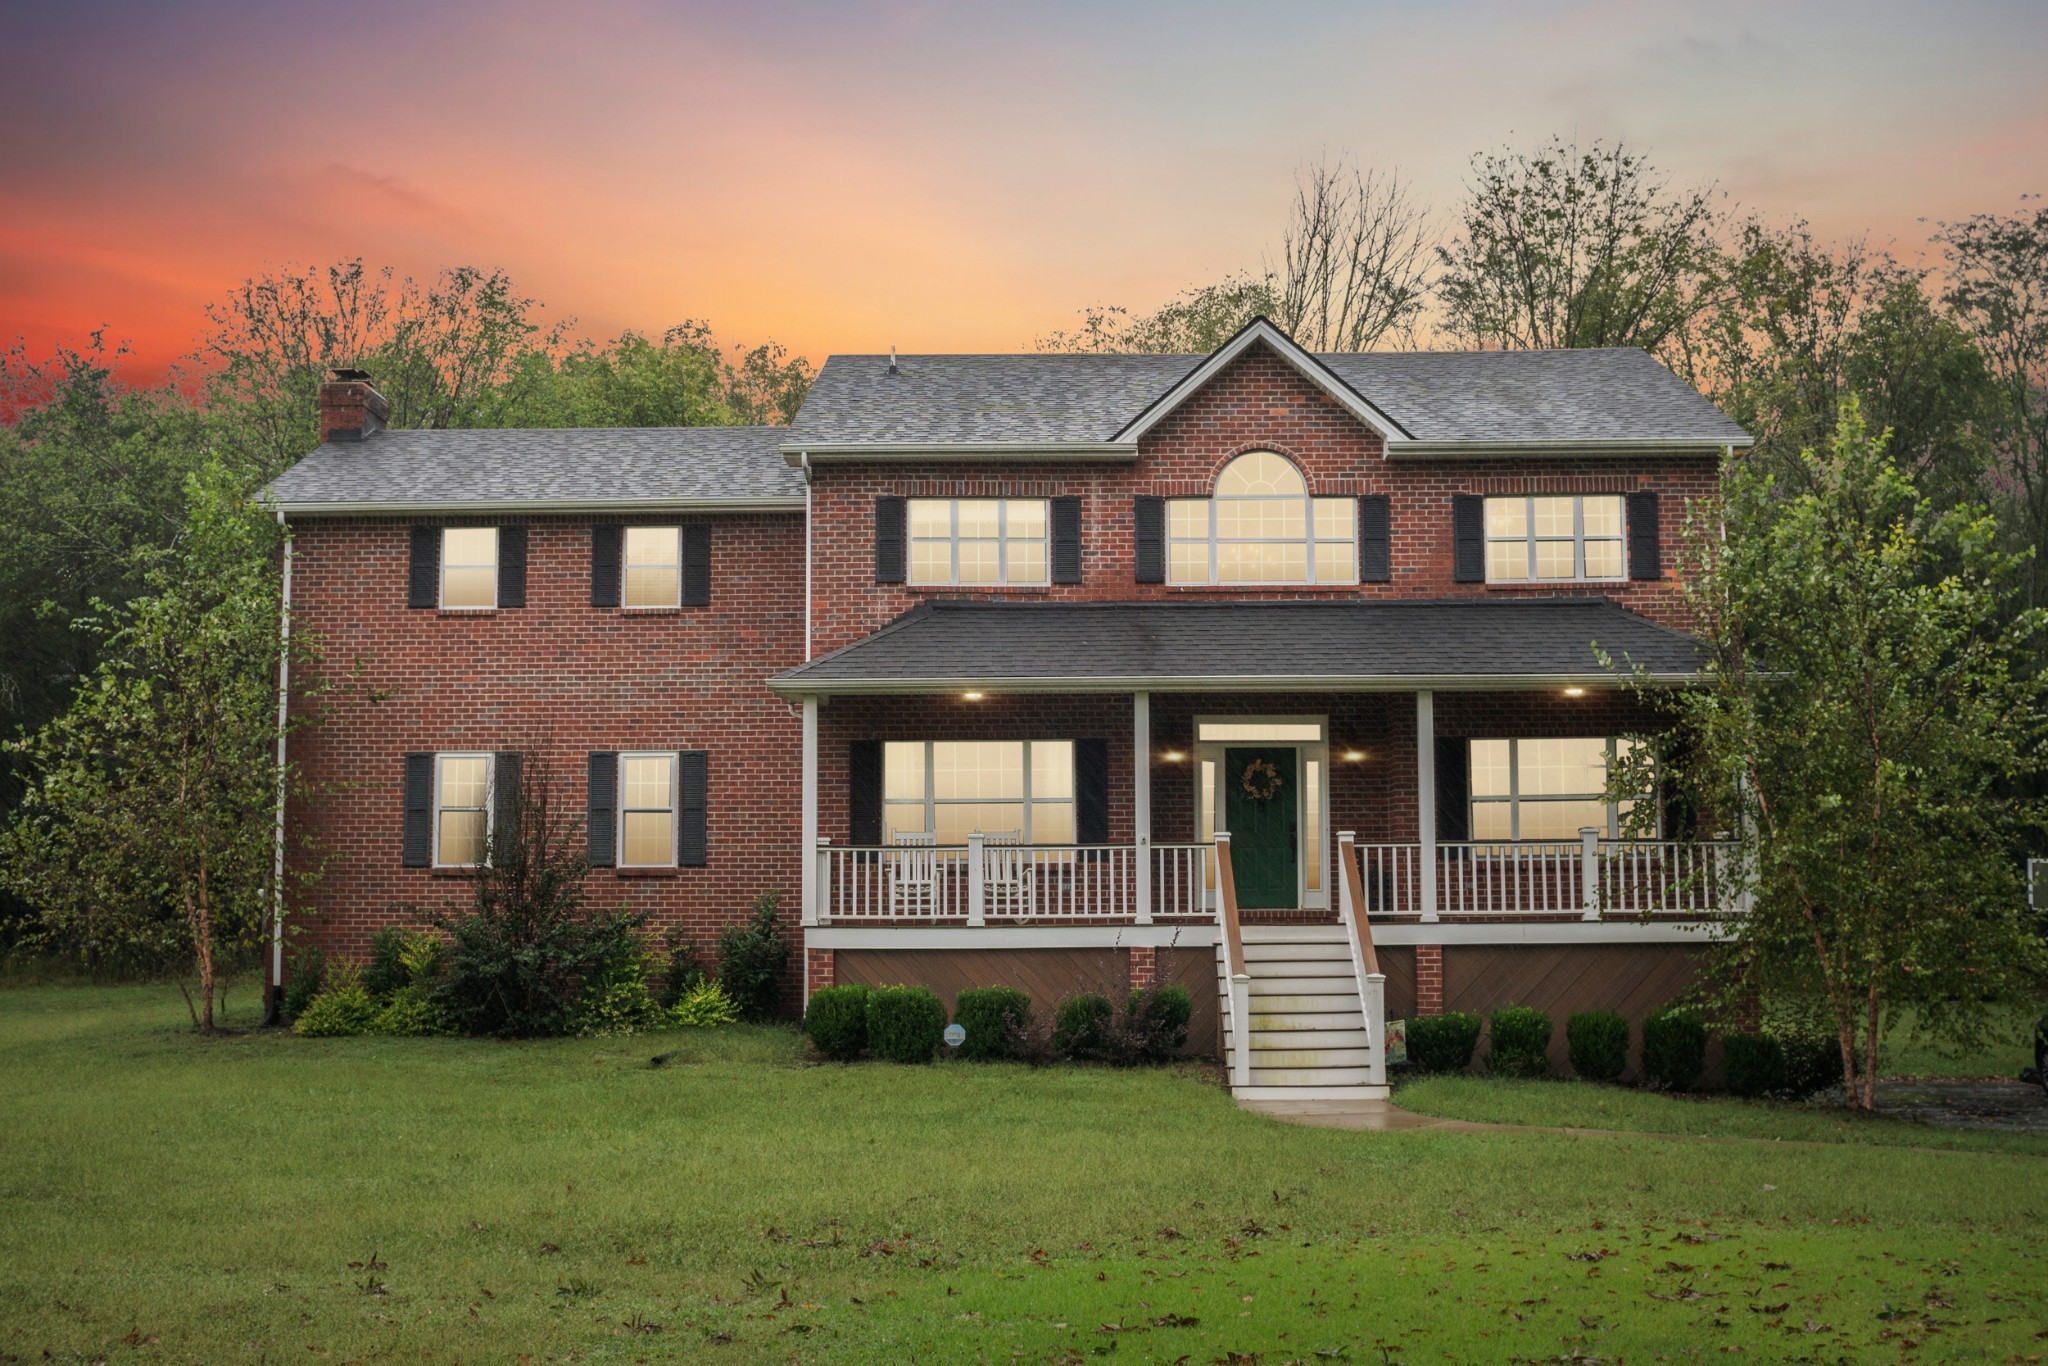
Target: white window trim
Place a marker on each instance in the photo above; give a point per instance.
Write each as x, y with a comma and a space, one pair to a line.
1531, 539
1002, 538
675, 802
441, 579
932, 801
1309, 540
1514, 798
626, 567
490, 805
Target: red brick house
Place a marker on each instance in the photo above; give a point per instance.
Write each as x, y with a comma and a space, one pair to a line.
1274, 672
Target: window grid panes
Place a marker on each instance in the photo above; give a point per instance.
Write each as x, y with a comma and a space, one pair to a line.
1016, 789
462, 809
647, 810
990, 542
469, 566
1565, 538
653, 560
1261, 527
1547, 789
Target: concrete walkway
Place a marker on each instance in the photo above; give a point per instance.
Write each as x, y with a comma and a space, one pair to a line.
1382, 1115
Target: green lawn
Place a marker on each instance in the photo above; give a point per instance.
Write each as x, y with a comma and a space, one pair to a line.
270, 1198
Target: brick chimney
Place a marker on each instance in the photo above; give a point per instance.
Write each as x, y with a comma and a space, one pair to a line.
350, 409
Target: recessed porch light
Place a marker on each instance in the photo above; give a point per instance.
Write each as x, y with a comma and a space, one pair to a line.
1574, 692
1354, 756
1173, 756
971, 697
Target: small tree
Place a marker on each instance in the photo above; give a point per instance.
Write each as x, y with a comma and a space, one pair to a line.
147, 825
1865, 732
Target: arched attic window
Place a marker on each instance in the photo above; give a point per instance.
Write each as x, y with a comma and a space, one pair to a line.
1262, 527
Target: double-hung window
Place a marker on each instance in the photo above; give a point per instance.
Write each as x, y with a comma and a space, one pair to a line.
1023, 789
1261, 527
994, 542
1545, 789
653, 566
1565, 538
462, 809
469, 567
647, 810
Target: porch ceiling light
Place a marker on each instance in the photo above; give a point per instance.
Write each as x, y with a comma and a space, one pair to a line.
1354, 756
1173, 756
1574, 692
971, 697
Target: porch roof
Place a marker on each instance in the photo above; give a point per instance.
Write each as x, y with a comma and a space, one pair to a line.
1328, 646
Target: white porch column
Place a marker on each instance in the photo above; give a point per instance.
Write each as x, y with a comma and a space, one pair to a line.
1141, 801
1425, 795
809, 844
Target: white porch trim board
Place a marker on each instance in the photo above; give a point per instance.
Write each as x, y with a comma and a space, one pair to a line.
1198, 935
1141, 799
1425, 795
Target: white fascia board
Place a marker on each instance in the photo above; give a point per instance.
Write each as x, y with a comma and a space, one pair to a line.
1306, 365
1484, 450
1451, 933
848, 452
796, 686
1195, 935
541, 508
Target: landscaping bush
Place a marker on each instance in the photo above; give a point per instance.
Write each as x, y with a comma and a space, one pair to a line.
1674, 1048
617, 997
683, 971
1442, 1043
383, 973
1754, 1064
1082, 1027
995, 1019
837, 1022
302, 980
751, 957
410, 1012
1598, 1042
1156, 1021
905, 1024
1520, 1042
704, 1006
343, 1007
1813, 1063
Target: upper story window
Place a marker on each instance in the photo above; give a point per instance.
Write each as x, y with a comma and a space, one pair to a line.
469, 566
1010, 789
1554, 539
1545, 789
1261, 527
653, 576
997, 542
462, 809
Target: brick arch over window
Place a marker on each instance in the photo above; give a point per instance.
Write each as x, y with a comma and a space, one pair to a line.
1261, 524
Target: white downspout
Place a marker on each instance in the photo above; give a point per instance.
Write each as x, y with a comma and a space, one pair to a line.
804, 458
284, 685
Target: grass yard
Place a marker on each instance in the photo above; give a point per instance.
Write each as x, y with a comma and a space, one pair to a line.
267, 1198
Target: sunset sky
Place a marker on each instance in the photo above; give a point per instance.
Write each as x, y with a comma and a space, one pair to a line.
847, 176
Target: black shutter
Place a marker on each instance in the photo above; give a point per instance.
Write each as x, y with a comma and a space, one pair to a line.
1066, 540
1375, 539
1091, 792
864, 792
601, 808
1645, 549
1149, 514
1453, 789
507, 771
424, 587
692, 797
891, 539
418, 847
512, 566
1468, 538
697, 565
604, 564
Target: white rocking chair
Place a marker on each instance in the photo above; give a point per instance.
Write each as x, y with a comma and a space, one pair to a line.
1007, 886
913, 867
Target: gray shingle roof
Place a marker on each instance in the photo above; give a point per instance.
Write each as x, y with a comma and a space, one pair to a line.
1618, 394
965, 644
580, 466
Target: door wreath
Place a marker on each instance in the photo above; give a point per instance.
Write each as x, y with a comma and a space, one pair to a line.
1260, 781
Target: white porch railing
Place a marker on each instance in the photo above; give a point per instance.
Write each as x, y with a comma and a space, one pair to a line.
984, 882
1589, 877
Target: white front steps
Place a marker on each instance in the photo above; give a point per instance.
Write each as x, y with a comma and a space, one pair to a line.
1307, 1027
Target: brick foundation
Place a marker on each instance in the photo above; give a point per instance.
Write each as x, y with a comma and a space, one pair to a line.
1144, 966
1429, 979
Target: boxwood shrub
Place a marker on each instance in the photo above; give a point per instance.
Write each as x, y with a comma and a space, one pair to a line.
1442, 1043
1755, 1064
905, 1024
836, 1022
1157, 1018
1082, 1027
1674, 1048
995, 1019
1813, 1063
1520, 1042
1598, 1041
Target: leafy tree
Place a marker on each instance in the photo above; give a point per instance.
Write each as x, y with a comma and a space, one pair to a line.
1865, 729
147, 824
1194, 322
1571, 247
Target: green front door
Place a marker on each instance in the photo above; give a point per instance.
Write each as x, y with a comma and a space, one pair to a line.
1259, 805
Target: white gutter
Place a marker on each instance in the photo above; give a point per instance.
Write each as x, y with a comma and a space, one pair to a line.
1436, 450
806, 463
970, 450
542, 507
797, 684
284, 684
